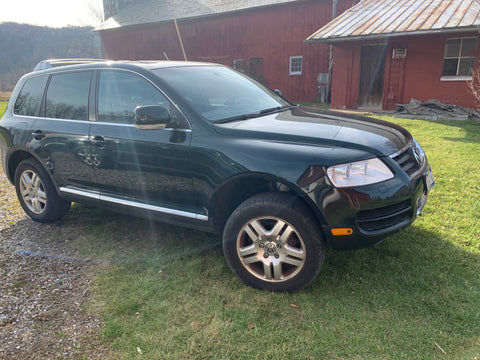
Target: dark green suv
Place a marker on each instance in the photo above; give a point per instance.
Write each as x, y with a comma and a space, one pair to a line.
203, 146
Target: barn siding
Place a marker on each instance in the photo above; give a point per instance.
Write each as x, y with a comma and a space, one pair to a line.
424, 70
272, 33
418, 76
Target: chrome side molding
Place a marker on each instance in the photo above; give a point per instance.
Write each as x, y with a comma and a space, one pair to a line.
138, 205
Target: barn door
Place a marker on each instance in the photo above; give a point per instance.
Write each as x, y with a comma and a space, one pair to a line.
255, 69
372, 72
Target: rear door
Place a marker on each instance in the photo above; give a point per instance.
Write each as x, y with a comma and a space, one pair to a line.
26, 109
60, 133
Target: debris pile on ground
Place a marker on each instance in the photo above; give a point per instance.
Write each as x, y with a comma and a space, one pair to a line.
435, 110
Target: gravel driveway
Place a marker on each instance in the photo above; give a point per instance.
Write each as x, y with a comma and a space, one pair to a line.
43, 290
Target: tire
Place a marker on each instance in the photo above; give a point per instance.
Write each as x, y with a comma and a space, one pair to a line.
271, 243
37, 194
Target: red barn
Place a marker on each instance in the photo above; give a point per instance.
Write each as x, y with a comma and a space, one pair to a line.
263, 38
390, 51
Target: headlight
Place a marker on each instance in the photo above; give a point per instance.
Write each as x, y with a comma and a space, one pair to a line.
359, 173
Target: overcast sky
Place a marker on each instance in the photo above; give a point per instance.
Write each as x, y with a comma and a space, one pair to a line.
53, 13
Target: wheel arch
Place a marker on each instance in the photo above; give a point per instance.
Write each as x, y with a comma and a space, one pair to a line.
13, 160
236, 190
36, 191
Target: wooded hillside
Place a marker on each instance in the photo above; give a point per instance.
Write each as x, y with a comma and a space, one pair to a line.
23, 46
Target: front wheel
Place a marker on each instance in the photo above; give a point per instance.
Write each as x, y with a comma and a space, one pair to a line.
37, 194
274, 244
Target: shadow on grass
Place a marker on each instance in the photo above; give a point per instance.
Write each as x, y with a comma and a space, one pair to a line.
405, 264
97, 235
471, 128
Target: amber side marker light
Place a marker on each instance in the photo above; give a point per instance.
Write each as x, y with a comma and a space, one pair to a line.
342, 231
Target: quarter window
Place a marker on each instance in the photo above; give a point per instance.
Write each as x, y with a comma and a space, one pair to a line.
296, 63
459, 56
119, 93
30, 96
67, 96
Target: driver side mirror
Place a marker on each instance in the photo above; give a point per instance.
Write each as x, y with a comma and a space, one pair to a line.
151, 117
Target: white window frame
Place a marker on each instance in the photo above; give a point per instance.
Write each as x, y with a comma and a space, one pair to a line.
293, 70
459, 57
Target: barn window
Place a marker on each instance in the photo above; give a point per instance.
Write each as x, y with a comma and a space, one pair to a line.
296, 63
239, 65
459, 57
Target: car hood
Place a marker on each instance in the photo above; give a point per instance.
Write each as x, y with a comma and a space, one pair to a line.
326, 128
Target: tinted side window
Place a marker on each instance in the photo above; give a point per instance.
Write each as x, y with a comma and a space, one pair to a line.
67, 96
30, 96
119, 93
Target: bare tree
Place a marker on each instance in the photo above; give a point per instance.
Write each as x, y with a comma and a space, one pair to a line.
95, 10
474, 84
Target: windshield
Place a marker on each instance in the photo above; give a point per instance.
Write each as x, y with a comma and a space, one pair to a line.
219, 93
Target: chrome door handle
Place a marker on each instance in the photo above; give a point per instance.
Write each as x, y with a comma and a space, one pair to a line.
38, 135
98, 141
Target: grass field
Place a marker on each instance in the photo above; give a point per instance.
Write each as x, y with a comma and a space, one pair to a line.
170, 294
3, 106
167, 293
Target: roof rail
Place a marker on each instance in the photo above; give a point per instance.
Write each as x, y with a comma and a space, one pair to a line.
49, 63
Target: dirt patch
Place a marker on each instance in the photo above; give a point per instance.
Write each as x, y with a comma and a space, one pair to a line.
43, 290
5, 95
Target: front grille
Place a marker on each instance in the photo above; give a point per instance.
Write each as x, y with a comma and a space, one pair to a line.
384, 219
409, 161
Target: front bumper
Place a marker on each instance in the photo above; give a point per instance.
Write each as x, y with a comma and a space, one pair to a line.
374, 212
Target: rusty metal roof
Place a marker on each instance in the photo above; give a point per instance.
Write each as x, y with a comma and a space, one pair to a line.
385, 18
153, 11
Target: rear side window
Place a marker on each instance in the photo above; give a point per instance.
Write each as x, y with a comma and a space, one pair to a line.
30, 96
67, 96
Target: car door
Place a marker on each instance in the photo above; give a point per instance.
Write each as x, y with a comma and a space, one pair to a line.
144, 168
60, 133
26, 109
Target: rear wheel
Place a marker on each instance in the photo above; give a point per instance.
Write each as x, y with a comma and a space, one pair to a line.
37, 194
274, 244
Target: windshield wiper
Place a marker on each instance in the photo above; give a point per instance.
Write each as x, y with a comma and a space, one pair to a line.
256, 114
237, 118
277, 109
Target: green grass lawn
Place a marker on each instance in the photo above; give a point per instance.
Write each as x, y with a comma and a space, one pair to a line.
3, 106
167, 293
